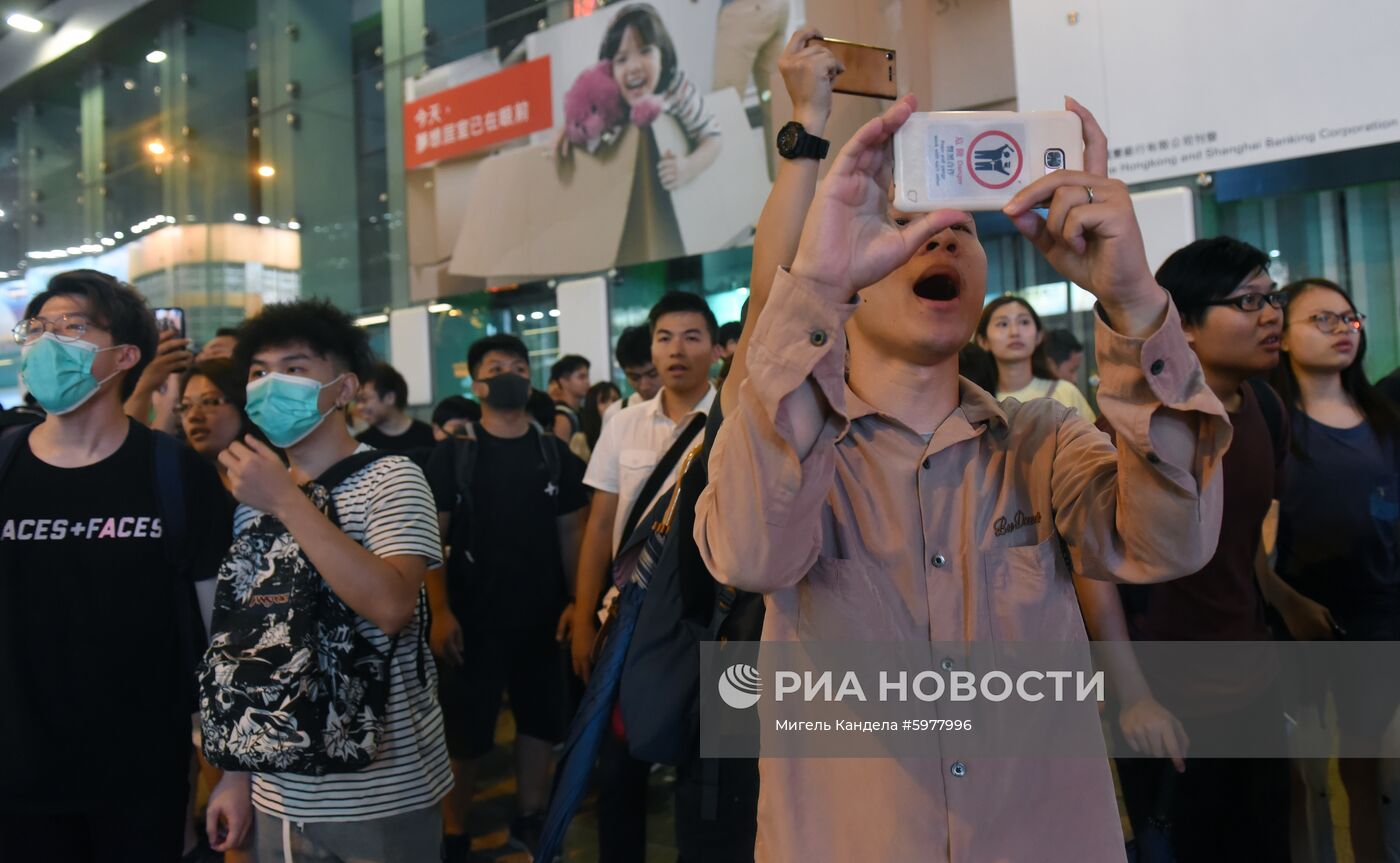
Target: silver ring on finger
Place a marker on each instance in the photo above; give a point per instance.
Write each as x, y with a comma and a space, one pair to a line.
1090, 190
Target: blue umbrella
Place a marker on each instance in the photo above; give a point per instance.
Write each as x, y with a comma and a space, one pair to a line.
591, 720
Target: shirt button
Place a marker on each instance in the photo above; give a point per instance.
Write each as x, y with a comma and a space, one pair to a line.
939, 560
817, 337
927, 464
947, 663
1158, 366
958, 769
1154, 458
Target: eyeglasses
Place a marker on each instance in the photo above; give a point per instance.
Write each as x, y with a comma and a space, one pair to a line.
1331, 322
67, 328
207, 403
1253, 301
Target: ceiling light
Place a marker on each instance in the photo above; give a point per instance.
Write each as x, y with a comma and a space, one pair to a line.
240, 217
119, 235
108, 241
266, 171
439, 308
74, 250
554, 313
535, 316
294, 225
371, 320
155, 148
91, 248
520, 317
264, 220
156, 56
20, 21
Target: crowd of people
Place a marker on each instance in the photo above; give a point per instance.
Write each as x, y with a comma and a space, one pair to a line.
261, 535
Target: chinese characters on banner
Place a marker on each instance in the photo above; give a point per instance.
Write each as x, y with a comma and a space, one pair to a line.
479, 114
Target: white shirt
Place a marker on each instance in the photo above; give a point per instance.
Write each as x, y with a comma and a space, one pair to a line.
629, 449
616, 407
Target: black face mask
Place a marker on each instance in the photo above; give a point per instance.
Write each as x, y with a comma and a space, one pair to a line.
507, 392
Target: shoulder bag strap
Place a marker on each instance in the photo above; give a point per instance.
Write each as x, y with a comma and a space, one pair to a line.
660, 473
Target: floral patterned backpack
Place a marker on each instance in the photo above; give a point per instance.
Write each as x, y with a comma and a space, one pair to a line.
288, 683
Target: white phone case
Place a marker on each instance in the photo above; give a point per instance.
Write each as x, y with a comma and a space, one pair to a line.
977, 160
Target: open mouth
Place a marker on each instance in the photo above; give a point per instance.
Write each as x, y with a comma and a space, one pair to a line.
939, 286
1271, 341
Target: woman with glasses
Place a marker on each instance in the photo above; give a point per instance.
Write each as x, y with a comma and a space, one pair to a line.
210, 409
1339, 507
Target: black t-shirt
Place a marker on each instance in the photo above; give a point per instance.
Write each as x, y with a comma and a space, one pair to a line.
94, 704
418, 436
517, 579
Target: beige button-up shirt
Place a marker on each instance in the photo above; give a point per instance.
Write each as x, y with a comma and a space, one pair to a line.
863, 531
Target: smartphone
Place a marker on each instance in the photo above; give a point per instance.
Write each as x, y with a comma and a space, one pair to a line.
171, 319
869, 70
977, 160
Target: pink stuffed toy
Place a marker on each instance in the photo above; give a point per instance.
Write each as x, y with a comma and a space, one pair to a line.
646, 111
593, 107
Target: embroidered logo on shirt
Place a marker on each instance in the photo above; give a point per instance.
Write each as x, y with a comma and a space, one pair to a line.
1005, 525
551, 489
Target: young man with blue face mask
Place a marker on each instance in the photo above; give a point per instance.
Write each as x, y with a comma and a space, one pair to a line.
97, 619
305, 361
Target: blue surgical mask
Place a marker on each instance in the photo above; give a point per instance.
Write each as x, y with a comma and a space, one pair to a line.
286, 407
59, 374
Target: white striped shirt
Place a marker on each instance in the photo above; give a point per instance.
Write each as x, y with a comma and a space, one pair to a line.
388, 508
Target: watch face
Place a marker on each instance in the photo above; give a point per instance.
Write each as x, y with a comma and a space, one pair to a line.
787, 138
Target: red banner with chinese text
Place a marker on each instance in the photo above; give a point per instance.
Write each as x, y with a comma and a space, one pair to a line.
478, 115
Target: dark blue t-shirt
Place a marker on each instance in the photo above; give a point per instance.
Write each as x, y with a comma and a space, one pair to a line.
1338, 519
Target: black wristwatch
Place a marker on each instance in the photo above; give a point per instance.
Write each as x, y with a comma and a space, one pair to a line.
795, 143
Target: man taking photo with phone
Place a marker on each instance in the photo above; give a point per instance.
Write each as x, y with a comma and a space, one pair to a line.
811, 500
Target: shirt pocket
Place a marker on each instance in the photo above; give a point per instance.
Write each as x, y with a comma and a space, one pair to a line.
634, 466
1030, 593
835, 602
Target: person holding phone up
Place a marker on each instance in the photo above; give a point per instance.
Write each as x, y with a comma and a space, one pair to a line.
811, 501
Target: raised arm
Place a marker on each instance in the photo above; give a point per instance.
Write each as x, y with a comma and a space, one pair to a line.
808, 70
773, 463
1151, 510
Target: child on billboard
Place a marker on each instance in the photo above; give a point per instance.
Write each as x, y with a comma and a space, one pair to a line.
649, 83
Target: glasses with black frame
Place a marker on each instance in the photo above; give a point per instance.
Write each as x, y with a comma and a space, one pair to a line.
1253, 301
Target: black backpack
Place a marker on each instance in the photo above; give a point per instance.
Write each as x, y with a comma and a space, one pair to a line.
289, 684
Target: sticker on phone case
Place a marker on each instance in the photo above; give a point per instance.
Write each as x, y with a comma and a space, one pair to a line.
994, 158
947, 146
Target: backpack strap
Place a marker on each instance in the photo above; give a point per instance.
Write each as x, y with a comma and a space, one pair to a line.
10, 441
167, 461
464, 469
565, 410
170, 497
330, 479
